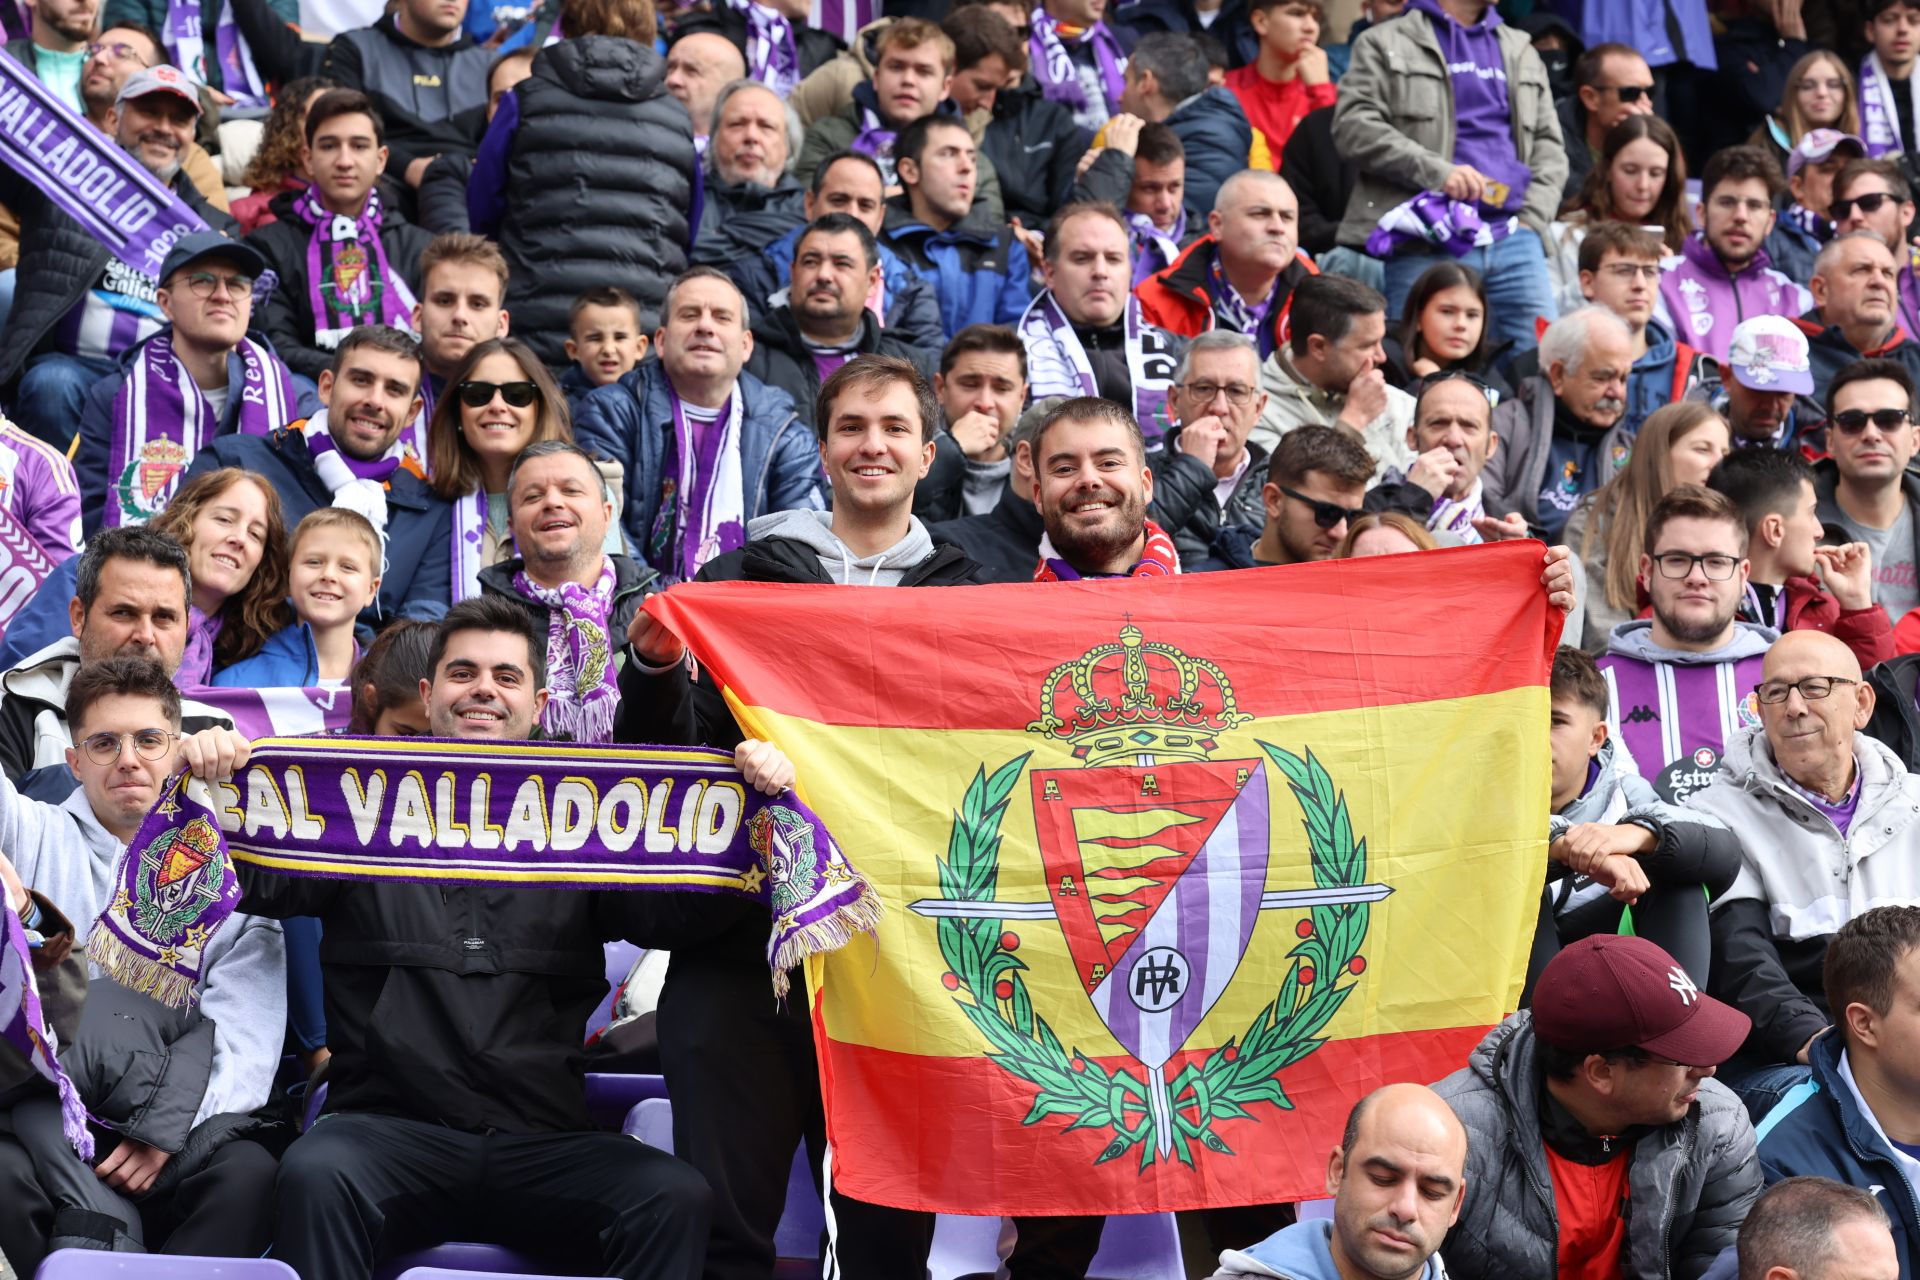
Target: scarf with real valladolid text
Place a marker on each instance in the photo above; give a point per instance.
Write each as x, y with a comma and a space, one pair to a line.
349, 280
539, 815
1057, 363
1879, 113
161, 418
583, 681
23, 1027
1050, 55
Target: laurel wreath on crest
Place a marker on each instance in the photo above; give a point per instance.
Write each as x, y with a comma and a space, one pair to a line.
986, 975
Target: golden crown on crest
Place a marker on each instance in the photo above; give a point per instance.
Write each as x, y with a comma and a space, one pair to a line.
1137, 697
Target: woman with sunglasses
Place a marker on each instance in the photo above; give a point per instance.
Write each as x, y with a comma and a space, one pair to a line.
1640, 179
1448, 326
1678, 445
501, 399
1818, 95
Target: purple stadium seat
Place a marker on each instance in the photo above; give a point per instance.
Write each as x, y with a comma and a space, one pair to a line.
611, 1097
620, 960
94, 1264
1138, 1246
462, 1260
447, 1273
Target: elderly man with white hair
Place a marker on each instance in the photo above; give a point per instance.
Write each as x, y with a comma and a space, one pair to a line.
751, 197
1563, 434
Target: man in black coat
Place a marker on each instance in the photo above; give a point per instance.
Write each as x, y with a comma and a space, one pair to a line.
425, 74
825, 320
750, 199
742, 1071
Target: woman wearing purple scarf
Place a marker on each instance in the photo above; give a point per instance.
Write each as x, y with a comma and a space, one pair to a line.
236, 541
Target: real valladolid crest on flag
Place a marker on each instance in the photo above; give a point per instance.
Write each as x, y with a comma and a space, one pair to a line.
1177, 870
548, 815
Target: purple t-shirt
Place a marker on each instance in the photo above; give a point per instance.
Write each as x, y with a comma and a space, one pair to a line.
828, 362
1841, 815
1483, 129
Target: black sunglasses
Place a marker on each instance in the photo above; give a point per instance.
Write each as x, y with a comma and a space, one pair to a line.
1851, 422
1869, 204
1630, 92
1325, 514
478, 395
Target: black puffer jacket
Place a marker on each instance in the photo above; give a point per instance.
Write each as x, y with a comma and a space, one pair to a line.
60, 261
739, 218
599, 184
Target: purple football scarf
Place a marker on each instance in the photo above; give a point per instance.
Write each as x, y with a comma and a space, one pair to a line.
24, 565
703, 499
1051, 60
186, 49
87, 175
349, 281
196, 658
1057, 363
1879, 116
1154, 249
547, 815
583, 681
772, 56
161, 419
23, 1026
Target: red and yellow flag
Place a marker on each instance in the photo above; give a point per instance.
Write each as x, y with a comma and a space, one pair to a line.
1174, 870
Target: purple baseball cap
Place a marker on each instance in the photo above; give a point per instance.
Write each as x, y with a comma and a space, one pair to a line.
1769, 353
1820, 144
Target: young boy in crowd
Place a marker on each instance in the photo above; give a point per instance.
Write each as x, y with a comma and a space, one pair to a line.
1290, 76
606, 339
1887, 118
333, 572
1613, 843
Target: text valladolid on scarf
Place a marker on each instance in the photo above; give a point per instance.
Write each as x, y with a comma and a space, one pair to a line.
349, 280
546, 815
23, 1026
161, 418
1057, 363
1158, 559
583, 681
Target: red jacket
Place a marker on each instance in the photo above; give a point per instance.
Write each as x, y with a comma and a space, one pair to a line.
1178, 301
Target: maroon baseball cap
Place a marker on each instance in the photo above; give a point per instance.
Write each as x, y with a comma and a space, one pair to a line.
1610, 991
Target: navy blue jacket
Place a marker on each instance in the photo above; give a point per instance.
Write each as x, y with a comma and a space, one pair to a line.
978, 269
417, 579
1817, 1129
1218, 139
631, 421
97, 426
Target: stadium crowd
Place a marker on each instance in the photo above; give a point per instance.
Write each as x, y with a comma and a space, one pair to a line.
504, 318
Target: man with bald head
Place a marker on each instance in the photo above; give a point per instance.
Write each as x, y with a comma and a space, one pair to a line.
1240, 275
1855, 312
1599, 1097
1829, 827
1397, 1180
750, 199
699, 63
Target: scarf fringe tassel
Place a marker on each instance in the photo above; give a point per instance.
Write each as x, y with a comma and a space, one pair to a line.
862, 915
136, 972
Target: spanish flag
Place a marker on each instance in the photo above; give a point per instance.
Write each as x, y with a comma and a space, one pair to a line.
1174, 870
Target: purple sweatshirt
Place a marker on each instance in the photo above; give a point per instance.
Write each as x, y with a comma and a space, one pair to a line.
1702, 303
38, 490
1483, 115
1674, 711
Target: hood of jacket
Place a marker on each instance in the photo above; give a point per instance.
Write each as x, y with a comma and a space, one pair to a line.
1591, 804
750, 197
1697, 251
603, 68
977, 226
1635, 640
44, 676
1831, 336
814, 529
1662, 348
1303, 1251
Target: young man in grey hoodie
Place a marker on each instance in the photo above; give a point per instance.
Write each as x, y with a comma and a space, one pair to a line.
722, 1044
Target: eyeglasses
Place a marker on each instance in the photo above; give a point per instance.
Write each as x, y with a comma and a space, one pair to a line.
1628, 93
1434, 379
1648, 271
205, 284
148, 744
1869, 204
1851, 422
478, 395
1325, 514
1679, 564
1238, 393
1813, 688
119, 49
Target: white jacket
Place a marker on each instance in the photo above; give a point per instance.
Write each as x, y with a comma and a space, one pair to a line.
1292, 402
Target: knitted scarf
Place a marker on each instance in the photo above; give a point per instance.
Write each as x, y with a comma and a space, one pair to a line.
1154, 249
1879, 117
583, 684
772, 56
357, 484
702, 510
1158, 559
1058, 364
1050, 56
349, 280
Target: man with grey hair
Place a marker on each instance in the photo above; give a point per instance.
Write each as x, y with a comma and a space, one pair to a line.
653, 420
1209, 474
1816, 1229
1167, 83
1242, 273
558, 510
1856, 310
751, 199
1562, 435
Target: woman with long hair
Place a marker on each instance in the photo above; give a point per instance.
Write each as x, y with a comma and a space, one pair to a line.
1678, 444
499, 400
1641, 179
1384, 533
1818, 95
1447, 326
236, 539
278, 164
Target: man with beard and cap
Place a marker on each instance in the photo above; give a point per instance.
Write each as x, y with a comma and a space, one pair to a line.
350, 455
722, 1042
1681, 682
75, 306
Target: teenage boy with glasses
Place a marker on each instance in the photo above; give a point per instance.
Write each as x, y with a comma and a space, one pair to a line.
1680, 683
1620, 270
1865, 493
